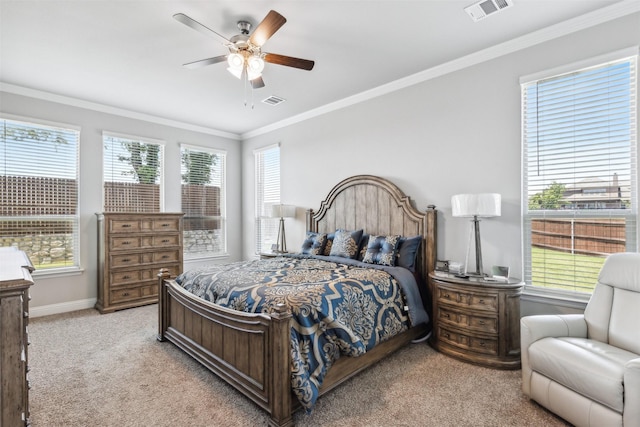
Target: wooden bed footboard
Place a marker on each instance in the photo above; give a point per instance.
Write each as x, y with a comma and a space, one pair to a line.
251, 352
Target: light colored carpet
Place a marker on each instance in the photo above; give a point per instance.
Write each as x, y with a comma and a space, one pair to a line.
96, 370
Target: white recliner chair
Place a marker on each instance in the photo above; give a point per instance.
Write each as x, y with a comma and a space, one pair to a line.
586, 367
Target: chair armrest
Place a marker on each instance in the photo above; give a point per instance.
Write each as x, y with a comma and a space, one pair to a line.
534, 328
631, 413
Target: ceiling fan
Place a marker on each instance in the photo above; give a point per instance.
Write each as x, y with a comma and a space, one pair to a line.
246, 57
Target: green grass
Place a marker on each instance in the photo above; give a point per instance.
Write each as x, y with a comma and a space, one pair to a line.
561, 270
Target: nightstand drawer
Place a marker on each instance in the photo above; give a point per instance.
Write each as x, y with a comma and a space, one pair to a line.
467, 342
478, 301
470, 321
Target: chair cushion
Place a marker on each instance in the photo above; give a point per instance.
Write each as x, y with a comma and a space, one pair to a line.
591, 368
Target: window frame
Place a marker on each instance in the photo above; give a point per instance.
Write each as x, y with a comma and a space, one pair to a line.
223, 204
76, 268
571, 297
260, 215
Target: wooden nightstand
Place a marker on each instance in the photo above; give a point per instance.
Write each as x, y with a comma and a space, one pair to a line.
477, 321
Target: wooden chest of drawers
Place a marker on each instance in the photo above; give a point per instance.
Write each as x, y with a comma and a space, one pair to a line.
15, 280
477, 321
132, 247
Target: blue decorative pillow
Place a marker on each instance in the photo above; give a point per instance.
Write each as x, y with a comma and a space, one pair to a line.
314, 243
408, 251
345, 243
382, 250
362, 247
328, 244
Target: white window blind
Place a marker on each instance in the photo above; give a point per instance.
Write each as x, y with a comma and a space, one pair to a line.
579, 173
39, 192
267, 190
203, 201
132, 174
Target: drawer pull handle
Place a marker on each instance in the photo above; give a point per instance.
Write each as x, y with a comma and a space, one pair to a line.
446, 295
165, 256
165, 241
126, 225
126, 259
126, 242
482, 344
165, 224
125, 294
126, 277
446, 335
481, 301
481, 322
446, 315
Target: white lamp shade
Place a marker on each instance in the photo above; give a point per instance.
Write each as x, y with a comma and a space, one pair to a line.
283, 211
483, 205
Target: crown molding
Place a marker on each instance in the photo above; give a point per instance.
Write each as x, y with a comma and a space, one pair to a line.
606, 14
75, 102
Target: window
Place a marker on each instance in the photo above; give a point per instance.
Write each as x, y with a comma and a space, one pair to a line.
39, 195
132, 174
267, 161
579, 173
203, 202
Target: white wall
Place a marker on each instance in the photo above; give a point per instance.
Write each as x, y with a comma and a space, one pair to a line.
452, 134
66, 293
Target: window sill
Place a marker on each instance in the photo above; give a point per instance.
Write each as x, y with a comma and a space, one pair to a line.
57, 272
205, 257
572, 300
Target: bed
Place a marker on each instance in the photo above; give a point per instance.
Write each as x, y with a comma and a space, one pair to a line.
252, 351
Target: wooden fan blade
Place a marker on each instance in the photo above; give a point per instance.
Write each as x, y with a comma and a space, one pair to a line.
189, 22
289, 61
205, 62
269, 25
257, 83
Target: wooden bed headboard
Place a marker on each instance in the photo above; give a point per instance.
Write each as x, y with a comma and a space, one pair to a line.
378, 207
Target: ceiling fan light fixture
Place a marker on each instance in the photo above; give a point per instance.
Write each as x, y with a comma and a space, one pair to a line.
255, 64
235, 61
237, 72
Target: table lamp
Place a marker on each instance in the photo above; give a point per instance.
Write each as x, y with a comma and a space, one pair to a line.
484, 205
282, 212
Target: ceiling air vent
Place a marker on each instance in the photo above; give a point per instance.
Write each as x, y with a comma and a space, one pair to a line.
273, 100
484, 8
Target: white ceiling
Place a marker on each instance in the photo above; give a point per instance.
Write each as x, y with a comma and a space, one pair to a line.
129, 54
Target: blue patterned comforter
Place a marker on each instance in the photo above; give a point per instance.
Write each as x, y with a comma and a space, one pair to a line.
339, 306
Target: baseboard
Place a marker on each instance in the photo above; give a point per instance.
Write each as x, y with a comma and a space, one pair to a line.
65, 307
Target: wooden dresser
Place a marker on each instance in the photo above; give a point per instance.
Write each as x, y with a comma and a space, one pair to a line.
132, 247
15, 280
477, 321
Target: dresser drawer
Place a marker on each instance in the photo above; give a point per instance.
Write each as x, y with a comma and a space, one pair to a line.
477, 301
118, 295
467, 342
469, 321
125, 277
126, 260
125, 243
168, 224
124, 226
166, 256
